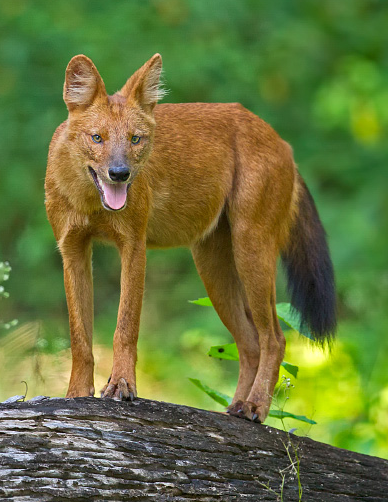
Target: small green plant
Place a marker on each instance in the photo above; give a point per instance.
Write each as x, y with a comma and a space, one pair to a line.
5, 270
289, 320
292, 469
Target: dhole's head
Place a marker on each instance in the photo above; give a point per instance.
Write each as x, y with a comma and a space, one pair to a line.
110, 136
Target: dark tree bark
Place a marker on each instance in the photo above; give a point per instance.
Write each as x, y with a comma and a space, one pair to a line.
93, 449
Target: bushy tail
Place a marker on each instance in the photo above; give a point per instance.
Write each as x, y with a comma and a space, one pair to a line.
310, 270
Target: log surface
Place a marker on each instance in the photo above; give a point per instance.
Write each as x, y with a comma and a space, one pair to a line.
93, 449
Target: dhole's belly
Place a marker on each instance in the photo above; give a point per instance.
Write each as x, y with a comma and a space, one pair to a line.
182, 221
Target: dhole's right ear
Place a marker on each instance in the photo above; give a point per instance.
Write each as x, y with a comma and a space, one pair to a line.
83, 84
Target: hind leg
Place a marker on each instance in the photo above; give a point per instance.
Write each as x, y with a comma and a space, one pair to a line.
215, 263
255, 253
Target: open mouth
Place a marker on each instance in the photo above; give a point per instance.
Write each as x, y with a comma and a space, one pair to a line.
113, 195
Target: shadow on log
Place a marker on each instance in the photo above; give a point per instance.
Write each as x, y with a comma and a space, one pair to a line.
92, 449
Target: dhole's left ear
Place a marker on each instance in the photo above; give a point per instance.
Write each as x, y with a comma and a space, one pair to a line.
144, 86
83, 84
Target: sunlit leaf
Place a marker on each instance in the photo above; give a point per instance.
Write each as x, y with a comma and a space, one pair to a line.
291, 368
204, 302
228, 351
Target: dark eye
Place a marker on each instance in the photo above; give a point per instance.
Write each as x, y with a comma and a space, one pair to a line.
96, 138
135, 140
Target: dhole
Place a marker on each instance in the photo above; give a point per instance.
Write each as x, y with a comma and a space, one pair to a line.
213, 177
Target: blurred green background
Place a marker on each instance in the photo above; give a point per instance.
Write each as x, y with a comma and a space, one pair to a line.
318, 73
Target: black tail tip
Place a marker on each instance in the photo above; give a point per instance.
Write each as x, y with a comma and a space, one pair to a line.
310, 272
314, 299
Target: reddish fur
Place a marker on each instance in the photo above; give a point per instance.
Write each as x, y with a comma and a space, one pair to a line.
213, 177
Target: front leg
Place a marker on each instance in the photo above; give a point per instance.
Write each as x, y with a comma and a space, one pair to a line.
77, 255
122, 383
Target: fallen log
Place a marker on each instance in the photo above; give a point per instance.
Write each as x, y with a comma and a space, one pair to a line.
94, 449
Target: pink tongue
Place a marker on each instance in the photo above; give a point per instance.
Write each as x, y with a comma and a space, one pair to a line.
115, 195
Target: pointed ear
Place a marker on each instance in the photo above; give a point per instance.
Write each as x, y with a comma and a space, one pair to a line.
144, 86
83, 84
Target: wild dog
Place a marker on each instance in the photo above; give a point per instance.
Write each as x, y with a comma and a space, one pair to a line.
212, 177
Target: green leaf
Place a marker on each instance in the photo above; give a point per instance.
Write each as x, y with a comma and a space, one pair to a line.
214, 394
291, 368
228, 351
204, 302
285, 414
292, 319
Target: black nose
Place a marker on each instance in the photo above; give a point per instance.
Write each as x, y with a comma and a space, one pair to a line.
118, 173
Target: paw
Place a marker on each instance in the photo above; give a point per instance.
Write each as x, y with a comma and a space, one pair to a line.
120, 391
248, 410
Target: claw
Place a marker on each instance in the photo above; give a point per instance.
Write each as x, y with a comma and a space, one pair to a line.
248, 410
120, 391
236, 409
